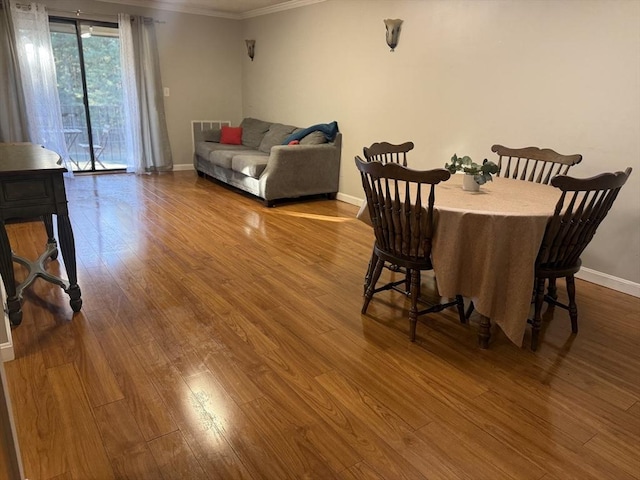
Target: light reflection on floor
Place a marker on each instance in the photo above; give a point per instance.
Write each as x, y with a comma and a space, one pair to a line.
325, 218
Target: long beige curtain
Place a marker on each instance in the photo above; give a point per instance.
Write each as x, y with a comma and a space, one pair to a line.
146, 137
13, 117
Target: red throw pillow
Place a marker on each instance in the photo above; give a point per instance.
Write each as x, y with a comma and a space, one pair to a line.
231, 135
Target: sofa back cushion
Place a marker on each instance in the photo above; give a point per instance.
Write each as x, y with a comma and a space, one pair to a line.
275, 136
330, 131
314, 138
253, 130
211, 135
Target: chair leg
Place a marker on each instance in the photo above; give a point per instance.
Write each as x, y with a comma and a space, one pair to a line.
372, 284
537, 316
573, 308
460, 305
470, 309
413, 311
552, 291
407, 282
372, 265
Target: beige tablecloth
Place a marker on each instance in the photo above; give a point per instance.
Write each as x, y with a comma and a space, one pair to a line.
486, 244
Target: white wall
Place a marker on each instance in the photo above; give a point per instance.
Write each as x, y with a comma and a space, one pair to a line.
201, 63
466, 74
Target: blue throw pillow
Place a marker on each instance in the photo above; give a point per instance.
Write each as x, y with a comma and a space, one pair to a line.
330, 131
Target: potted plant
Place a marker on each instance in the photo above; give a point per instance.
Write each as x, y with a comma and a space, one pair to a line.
475, 175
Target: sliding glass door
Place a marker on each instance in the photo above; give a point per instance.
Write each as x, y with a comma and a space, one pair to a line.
87, 57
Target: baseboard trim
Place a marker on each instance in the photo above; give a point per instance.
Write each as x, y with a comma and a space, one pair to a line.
349, 199
6, 342
609, 281
183, 166
6, 352
6, 348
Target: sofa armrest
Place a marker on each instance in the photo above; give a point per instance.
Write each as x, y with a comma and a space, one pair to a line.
299, 170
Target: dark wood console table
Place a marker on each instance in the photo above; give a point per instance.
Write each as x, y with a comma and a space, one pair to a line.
32, 186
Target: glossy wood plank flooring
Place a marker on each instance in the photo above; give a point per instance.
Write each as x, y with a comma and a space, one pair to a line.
220, 339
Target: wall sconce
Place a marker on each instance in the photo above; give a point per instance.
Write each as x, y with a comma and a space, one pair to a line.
251, 48
393, 31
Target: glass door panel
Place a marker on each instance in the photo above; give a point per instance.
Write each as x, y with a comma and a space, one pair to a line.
71, 92
87, 56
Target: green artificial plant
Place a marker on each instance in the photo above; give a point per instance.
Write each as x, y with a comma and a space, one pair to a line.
481, 173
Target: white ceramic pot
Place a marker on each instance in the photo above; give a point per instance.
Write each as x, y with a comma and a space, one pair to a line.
469, 184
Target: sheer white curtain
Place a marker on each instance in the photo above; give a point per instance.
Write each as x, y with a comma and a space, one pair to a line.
133, 142
38, 76
146, 136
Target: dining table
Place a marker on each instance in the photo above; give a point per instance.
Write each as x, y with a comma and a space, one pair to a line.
485, 247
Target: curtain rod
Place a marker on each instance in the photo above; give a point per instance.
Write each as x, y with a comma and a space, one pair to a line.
79, 12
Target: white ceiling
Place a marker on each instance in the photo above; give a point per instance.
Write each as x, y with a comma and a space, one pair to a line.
220, 8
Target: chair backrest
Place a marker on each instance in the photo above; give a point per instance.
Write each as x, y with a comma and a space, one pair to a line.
532, 163
400, 203
388, 153
582, 206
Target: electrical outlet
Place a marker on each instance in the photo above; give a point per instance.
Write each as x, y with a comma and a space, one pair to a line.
166, 91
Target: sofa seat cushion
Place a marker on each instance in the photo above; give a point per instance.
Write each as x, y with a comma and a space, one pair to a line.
253, 130
275, 136
250, 164
223, 158
205, 149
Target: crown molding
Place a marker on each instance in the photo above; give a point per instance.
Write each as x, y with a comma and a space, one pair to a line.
291, 4
175, 7
198, 10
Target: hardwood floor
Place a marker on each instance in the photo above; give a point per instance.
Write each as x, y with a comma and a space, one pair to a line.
219, 339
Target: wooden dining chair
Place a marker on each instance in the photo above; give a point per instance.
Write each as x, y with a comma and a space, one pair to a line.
533, 164
583, 204
386, 152
400, 203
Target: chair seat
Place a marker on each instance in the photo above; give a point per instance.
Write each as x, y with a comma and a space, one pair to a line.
405, 262
550, 271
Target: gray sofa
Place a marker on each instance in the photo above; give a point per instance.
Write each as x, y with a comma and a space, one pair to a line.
263, 166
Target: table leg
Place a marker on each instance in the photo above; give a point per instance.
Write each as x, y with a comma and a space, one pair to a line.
68, 249
51, 240
6, 270
484, 333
